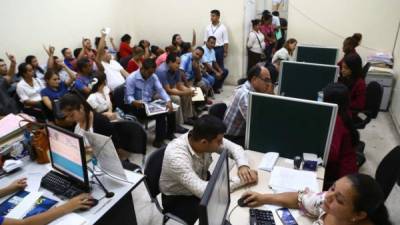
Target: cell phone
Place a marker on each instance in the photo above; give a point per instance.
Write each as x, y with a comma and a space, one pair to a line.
285, 216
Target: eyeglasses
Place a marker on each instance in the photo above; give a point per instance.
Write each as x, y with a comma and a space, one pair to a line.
266, 80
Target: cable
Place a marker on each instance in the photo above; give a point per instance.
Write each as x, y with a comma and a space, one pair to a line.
229, 215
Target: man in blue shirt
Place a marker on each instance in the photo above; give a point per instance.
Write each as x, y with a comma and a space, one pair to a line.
170, 77
210, 63
141, 87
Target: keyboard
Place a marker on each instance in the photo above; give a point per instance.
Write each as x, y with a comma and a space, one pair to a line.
60, 185
261, 217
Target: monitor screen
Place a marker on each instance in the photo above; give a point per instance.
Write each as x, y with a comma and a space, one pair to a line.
67, 153
216, 198
316, 54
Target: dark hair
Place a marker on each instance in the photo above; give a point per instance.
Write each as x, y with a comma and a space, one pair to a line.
171, 48
185, 47
207, 127
63, 51
154, 49
77, 51
253, 72
29, 60
215, 12
96, 41
211, 37
200, 48
289, 42
72, 101
339, 94
141, 43
81, 63
255, 22
22, 69
369, 198
266, 12
266, 17
357, 38
353, 61
275, 13
149, 64
174, 39
126, 38
101, 79
49, 73
351, 42
171, 57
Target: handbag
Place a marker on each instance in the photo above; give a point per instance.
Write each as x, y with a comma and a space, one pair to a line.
262, 56
40, 141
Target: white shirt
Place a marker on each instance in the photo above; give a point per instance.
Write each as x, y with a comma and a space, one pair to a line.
100, 102
282, 54
79, 131
64, 76
219, 32
28, 92
254, 44
184, 172
276, 21
113, 74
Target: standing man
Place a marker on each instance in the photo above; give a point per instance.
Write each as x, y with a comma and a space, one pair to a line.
219, 31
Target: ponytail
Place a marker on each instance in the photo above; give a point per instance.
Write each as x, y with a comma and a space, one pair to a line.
380, 216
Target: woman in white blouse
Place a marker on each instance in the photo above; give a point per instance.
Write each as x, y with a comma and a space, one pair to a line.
255, 45
99, 99
286, 52
28, 91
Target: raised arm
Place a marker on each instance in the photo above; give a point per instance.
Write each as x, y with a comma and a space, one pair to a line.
71, 74
50, 53
194, 39
12, 69
113, 44
101, 51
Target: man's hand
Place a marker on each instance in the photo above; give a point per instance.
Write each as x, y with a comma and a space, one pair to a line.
247, 176
169, 106
11, 57
111, 39
218, 75
19, 184
138, 104
225, 54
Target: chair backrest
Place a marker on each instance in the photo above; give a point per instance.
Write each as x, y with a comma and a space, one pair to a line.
218, 110
365, 70
152, 170
388, 171
374, 94
131, 136
118, 96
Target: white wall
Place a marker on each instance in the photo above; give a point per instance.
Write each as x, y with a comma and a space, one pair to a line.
395, 106
157, 21
27, 24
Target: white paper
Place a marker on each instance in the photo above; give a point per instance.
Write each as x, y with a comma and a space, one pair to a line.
33, 181
199, 97
285, 179
27, 203
310, 156
69, 219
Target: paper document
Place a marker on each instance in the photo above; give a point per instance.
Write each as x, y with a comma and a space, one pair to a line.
285, 179
10, 125
27, 203
33, 181
158, 107
71, 218
199, 97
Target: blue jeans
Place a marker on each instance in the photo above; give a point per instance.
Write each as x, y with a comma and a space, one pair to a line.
219, 55
208, 79
218, 83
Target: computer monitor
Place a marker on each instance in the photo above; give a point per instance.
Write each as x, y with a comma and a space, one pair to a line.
215, 202
67, 154
289, 126
317, 54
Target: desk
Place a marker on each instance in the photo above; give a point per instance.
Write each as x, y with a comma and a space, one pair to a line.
241, 215
121, 189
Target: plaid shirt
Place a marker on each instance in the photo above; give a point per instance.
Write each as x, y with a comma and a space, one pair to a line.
236, 114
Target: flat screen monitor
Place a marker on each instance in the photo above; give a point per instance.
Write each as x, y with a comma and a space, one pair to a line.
215, 202
317, 54
67, 154
289, 126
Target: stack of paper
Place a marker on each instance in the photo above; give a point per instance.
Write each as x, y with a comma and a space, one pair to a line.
10, 125
285, 179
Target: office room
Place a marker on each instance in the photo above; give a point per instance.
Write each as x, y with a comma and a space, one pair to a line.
113, 112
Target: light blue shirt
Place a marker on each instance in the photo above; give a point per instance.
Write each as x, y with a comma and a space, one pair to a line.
209, 55
186, 65
138, 88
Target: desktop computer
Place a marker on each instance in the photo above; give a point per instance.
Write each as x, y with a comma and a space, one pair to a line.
67, 155
215, 202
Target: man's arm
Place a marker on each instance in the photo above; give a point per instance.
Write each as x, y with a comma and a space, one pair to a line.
100, 52
50, 54
12, 69
226, 41
124, 73
194, 39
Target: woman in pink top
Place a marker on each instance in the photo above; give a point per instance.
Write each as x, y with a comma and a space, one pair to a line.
269, 35
162, 58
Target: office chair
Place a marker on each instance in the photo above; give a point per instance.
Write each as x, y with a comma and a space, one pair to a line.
388, 172
152, 172
373, 100
365, 70
218, 110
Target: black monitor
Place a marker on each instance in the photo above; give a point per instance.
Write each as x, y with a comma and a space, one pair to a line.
317, 54
67, 154
215, 202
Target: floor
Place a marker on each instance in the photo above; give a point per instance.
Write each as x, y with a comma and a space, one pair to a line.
380, 137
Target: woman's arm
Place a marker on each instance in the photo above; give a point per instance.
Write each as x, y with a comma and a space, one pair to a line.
47, 102
287, 200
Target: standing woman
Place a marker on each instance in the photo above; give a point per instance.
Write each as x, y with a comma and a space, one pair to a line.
285, 53
255, 45
177, 41
349, 46
269, 35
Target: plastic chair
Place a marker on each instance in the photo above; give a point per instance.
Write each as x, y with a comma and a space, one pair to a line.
388, 172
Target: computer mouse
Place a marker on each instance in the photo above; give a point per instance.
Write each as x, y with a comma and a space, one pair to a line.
241, 203
93, 203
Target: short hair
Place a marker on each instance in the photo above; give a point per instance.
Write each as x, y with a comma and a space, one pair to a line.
171, 57
77, 51
253, 72
200, 48
216, 12
22, 69
125, 38
63, 51
266, 17
154, 48
81, 63
185, 47
149, 64
207, 127
275, 13
255, 22
29, 59
211, 37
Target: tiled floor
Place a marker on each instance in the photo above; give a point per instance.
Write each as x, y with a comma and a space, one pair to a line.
380, 137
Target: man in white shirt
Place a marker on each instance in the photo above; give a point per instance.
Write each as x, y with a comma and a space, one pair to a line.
219, 31
186, 162
115, 73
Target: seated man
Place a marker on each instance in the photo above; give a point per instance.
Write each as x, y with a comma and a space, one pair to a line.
258, 80
141, 87
211, 65
186, 162
69, 59
170, 77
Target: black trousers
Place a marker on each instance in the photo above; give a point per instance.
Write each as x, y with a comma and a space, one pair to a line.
252, 59
184, 207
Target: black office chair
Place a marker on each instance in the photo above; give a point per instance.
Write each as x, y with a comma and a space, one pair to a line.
374, 94
365, 70
152, 172
218, 110
241, 81
388, 171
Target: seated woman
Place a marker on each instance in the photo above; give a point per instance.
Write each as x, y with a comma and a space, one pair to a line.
28, 91
99, 99
39, 70
177, 41
125, 48
135, 62
342, 155
82, 201
354, 199
352, 77
285, 53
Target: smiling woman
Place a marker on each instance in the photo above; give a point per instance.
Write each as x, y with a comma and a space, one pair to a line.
353, 199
